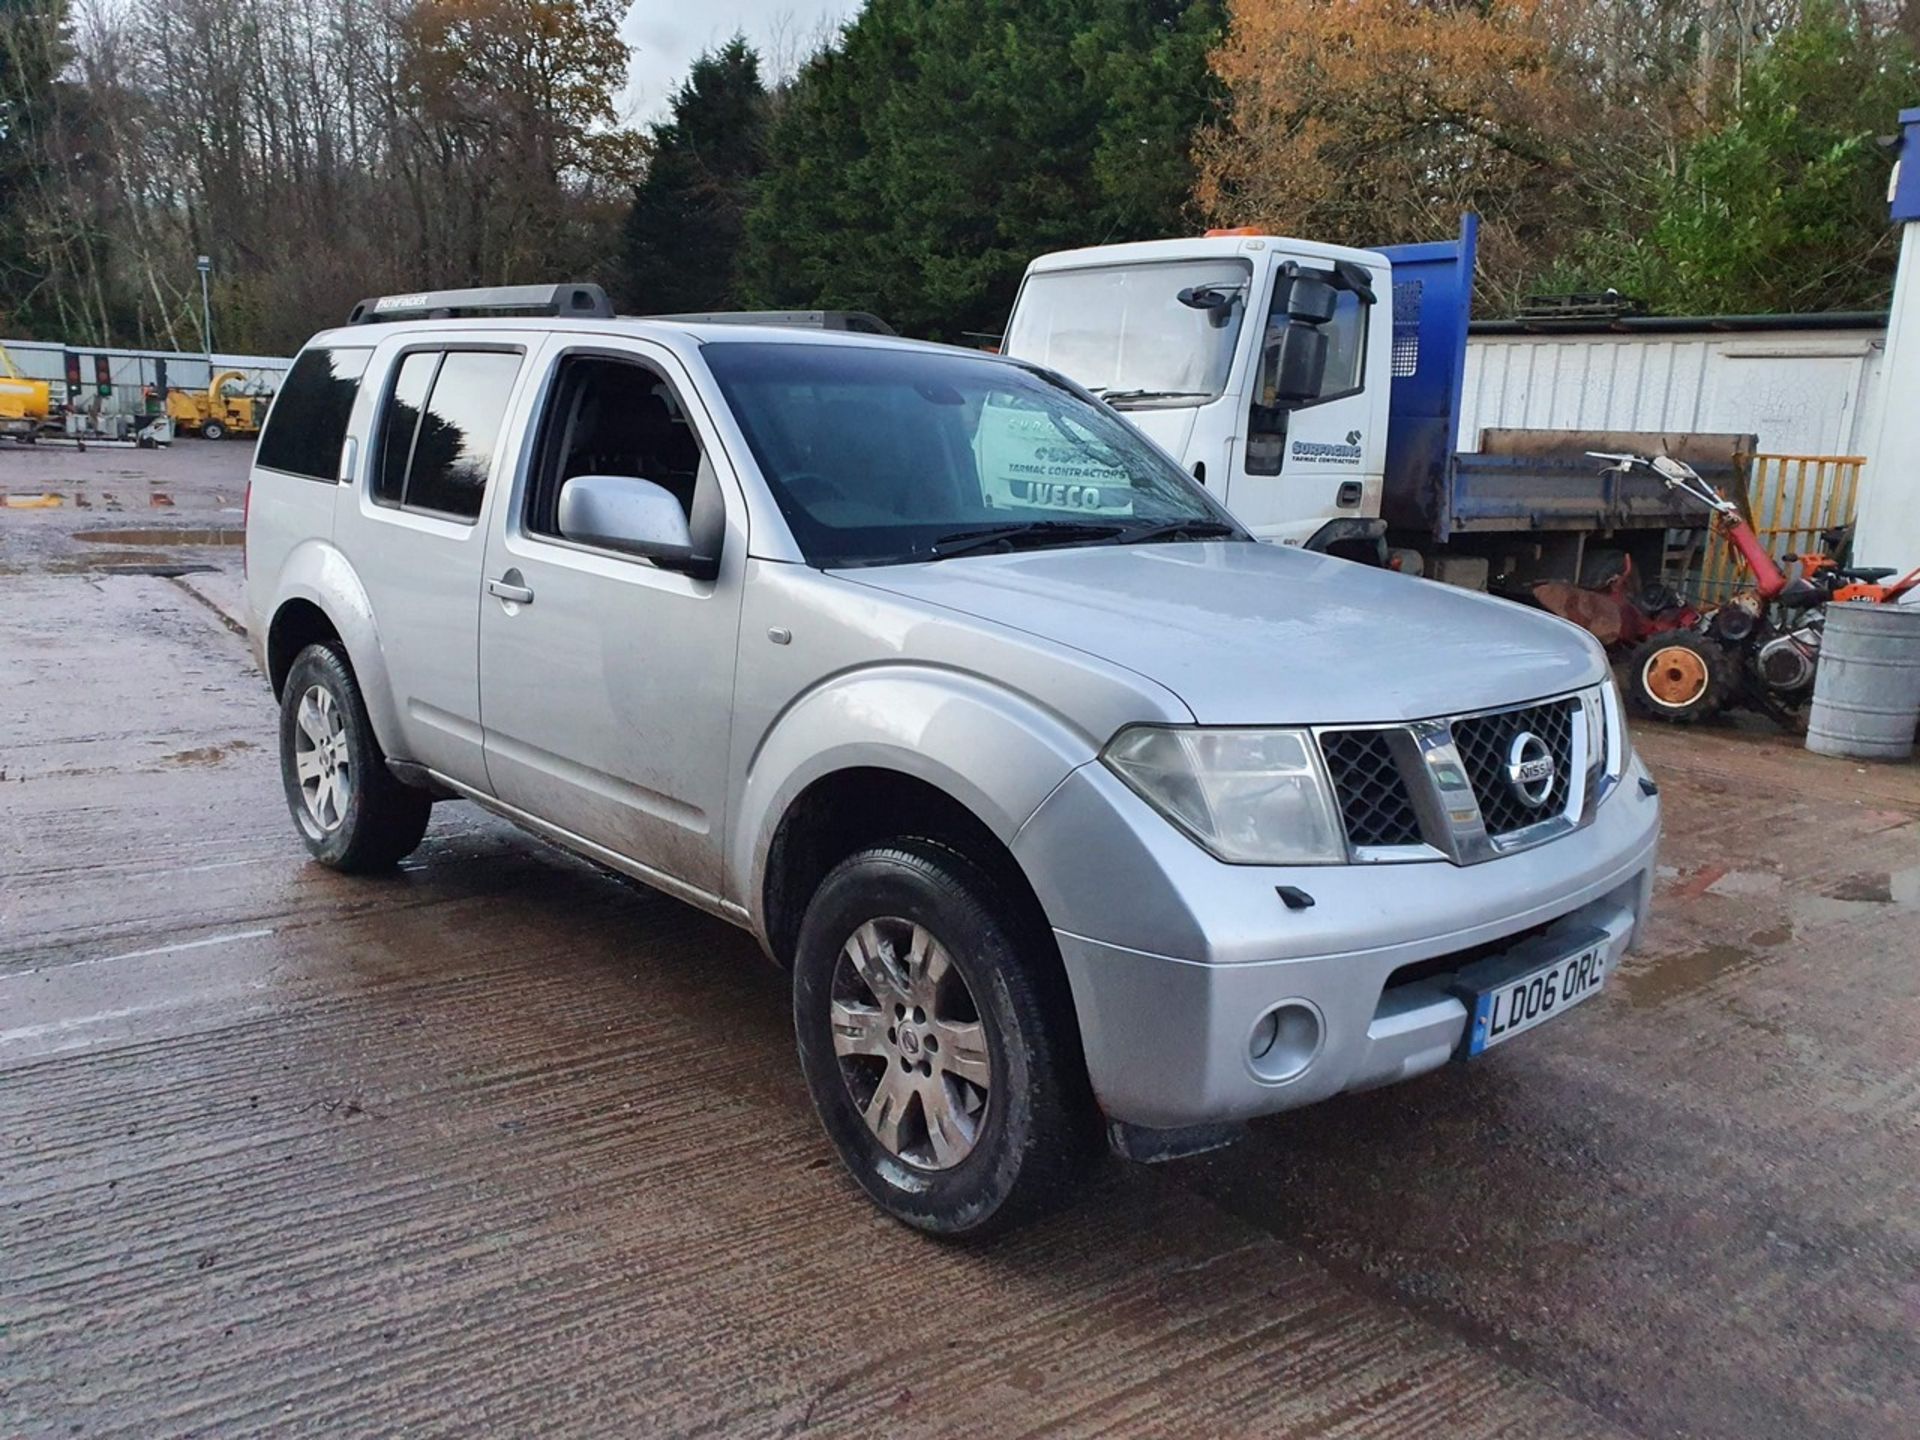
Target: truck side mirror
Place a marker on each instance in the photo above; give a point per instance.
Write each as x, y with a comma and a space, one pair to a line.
1217, 301
1310, 301
634, 517
1299, 364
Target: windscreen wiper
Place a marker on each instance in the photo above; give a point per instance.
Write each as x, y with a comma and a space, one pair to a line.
1113, 397
1192, 529
1032, 535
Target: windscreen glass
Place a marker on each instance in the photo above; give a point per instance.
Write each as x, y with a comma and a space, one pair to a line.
1123, 331
878, 455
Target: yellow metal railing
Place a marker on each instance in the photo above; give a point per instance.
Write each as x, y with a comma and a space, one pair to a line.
1790, 499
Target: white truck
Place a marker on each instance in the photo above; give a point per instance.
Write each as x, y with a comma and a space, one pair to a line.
1316, 390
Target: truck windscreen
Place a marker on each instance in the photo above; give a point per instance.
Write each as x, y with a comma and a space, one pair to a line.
1123, 331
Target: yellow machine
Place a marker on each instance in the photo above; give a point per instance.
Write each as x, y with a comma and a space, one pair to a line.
214, 415
24, 403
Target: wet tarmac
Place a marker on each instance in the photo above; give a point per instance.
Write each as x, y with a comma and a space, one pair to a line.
498, 1145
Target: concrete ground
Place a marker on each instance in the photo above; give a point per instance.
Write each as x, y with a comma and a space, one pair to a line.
499, 1145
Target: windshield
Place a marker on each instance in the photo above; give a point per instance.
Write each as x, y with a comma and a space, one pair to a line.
1122, 329
878, 455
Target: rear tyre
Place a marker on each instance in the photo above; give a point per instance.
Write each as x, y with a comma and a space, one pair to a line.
213, 430
346, 804
1680, 677
941, 1054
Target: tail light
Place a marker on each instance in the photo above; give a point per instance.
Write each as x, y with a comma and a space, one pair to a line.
246, 514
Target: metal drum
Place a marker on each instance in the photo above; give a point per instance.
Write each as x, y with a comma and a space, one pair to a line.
1866, 693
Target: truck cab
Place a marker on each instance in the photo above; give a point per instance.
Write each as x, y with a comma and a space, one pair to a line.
1261, 363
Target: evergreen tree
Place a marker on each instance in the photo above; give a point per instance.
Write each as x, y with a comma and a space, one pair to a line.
684, 231
940, 145
33, 50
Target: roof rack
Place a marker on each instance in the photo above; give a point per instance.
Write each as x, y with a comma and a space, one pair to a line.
584, 302
859, 321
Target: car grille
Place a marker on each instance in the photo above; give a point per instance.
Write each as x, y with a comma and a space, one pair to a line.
1484, 742
1374, 800
1398, 787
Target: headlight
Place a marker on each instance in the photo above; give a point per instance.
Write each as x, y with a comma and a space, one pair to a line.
1619, 745
1250, 797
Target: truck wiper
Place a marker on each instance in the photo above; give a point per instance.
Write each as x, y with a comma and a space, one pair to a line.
1113, 397
1032, 535
1195, 529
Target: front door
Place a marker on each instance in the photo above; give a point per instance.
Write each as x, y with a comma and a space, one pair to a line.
1305, 463
607, 681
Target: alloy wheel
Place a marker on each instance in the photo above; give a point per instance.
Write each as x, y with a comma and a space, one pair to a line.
912, 1050
321, 759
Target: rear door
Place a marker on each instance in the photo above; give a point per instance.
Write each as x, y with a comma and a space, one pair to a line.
412, 526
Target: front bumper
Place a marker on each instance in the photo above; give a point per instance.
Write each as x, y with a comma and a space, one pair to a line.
1174, 958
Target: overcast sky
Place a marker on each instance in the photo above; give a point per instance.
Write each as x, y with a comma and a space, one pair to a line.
668, 34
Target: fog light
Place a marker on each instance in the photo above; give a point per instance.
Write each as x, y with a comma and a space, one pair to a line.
1285, 1041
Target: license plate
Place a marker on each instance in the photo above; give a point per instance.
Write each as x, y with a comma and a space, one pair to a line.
1523, 1001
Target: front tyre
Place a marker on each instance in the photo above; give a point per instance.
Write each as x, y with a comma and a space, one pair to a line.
942, 1063
1681, 677
346, 804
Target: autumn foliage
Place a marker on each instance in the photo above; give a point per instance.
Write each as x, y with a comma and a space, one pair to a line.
1699, 156
1377, 121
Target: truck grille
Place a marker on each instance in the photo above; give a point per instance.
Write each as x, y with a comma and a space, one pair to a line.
1374, 800
1485, 742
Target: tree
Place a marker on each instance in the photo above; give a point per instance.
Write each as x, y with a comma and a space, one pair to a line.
1782, 207
1368, 122
514, 101
930, 153
684, 231
35, 241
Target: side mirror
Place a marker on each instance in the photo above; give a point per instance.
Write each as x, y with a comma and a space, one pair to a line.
635, 517
1217, 300
1299, 364
1310, 301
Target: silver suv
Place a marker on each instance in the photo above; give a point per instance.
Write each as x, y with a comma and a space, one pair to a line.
1079, 818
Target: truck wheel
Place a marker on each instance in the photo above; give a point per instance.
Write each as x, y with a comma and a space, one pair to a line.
213, 430
1680, 677
952, 1089
346, 804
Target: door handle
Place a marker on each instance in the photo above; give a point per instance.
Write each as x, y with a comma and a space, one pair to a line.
508, 587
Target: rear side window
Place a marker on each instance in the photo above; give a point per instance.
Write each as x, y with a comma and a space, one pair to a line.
440, 428
308, 421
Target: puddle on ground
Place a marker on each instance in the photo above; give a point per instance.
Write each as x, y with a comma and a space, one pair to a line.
1855, 897
1879, 887
210, 754
1671, 976
168, 536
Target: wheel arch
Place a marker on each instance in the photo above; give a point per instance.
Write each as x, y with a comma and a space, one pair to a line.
849, 810
320, 600
943, 744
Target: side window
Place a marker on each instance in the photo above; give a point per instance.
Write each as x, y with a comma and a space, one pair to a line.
440, 428
400, 423
1345, 334
308, 421
609, 416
